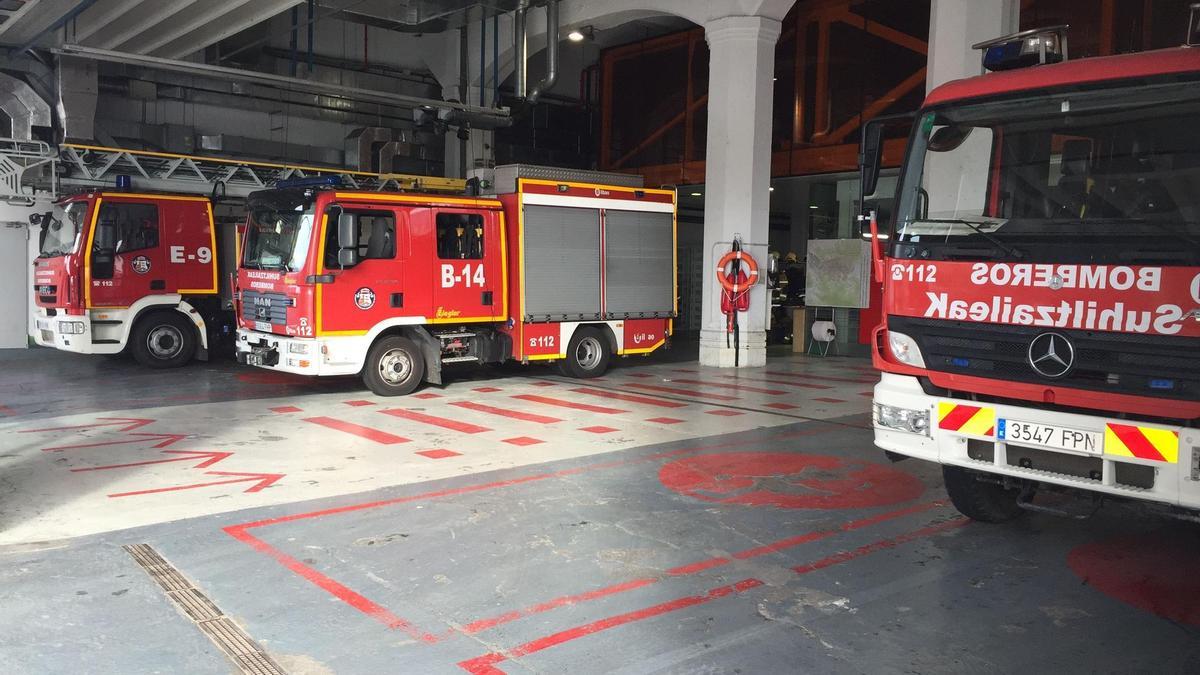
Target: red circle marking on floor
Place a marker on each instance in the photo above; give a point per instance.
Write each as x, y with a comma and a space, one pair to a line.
1147, 571
788, 480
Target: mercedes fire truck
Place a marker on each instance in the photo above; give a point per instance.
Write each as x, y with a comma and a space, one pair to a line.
121, 271
555, 267
1041, 328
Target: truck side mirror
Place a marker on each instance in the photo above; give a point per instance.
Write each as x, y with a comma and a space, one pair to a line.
104, 250
871, 156
347, 226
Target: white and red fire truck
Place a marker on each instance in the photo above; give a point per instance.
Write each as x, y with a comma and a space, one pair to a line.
393, 286
122, 270
1041, 326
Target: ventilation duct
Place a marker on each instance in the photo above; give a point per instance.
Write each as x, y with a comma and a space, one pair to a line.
551, 53
78, 87
363, 151
25, 108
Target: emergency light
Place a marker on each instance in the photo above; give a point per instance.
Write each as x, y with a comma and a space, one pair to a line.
1036, 47
315, 181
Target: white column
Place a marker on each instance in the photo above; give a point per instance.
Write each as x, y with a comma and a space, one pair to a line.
955, 25
737, 175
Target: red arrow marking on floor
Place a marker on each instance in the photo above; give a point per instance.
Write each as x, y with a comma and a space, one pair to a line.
130, 423
264, 481
167, 439
213, 458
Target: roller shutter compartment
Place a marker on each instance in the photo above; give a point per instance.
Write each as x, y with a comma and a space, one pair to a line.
640, 256
562, 263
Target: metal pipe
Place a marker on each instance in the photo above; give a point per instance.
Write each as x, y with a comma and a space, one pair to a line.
495, 59
281, 81
520, 28
482, 52
552, 35
312, 26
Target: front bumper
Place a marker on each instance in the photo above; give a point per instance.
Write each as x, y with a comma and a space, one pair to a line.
978, 447
301, 356
76, 334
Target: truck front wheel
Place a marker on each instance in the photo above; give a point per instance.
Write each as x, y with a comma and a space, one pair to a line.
980, 500
163, 339
588, 354
394, 367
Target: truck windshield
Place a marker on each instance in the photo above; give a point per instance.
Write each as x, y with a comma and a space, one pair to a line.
1079, 176
277, 237
60, 228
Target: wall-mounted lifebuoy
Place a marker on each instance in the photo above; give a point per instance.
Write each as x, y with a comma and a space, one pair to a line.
732, 283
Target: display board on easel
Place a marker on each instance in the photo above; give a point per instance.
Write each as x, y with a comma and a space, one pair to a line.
837, 273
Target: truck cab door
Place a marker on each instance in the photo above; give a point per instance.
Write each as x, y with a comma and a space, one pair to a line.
128, 234
378, 287
467, 283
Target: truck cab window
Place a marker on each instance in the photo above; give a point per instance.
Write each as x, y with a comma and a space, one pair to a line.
136, 225
460, 236
376, 236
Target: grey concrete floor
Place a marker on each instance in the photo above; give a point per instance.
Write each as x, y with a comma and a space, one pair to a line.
752, 528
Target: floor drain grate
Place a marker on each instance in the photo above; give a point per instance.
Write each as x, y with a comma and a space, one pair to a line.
224, 633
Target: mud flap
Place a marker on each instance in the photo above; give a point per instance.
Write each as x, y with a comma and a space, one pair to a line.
431, 349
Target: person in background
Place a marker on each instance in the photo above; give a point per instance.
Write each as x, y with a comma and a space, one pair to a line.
793, 271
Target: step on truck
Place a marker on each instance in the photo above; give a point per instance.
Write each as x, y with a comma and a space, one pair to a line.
1041, 327
137, 272
557, 266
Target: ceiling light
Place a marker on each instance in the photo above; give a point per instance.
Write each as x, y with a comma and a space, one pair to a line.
771, 189
697, 194
575, 36
813, 206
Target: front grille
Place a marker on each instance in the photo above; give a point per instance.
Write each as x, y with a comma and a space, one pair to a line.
265, 307
1118, 363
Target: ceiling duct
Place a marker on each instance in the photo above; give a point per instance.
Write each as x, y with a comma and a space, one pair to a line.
24, 107
78, 90
552, 33
365, 143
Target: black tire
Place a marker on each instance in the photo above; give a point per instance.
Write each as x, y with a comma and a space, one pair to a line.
979, 500
163, 339
588, 354
394, 367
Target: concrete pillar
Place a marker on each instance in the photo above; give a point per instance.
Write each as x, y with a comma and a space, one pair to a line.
955, 25
737, 175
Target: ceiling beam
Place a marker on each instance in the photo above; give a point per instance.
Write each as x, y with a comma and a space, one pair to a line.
33, 19
234, 22
191, 18
99, 16
131, 24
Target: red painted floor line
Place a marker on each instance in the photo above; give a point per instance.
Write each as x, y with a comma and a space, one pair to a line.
358, 404
632, 398
735, 387
427, 395
485, 390
786, 383
665, 420
724, 413
6, 411
826, 378
512, 414
486, 664
522, 441
439, 453
380, 614
284, 409
598, 430
464, 427
681, 392
368, 433
826, 399
569, 404
563, 601
781, 406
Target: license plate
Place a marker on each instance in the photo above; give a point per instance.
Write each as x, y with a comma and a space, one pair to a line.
43, 324
253, 359
1048, 435
265, 327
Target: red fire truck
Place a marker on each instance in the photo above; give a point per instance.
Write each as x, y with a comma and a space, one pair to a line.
393, 286
1041, 324
120, 270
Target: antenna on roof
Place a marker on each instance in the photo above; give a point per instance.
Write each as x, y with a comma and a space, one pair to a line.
1035, 47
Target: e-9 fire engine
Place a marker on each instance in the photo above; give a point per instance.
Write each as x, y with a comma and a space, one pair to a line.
1042, 281
121, 270
393, 286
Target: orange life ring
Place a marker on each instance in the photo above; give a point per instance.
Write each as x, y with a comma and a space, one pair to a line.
749, 266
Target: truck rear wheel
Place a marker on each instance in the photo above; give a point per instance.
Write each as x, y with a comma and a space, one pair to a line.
163, 339
394, 367
980, 500
588, 354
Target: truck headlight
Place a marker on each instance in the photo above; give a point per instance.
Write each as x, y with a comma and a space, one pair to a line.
297, 347
70, 327
902, 419
905, 349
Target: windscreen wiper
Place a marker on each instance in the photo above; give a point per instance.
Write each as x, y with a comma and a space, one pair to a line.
1014, 252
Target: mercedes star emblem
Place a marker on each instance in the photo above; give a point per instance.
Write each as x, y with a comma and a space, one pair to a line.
1051, 355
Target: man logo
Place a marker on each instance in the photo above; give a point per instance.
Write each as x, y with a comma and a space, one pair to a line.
364, 298
1051, 355
141, 264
